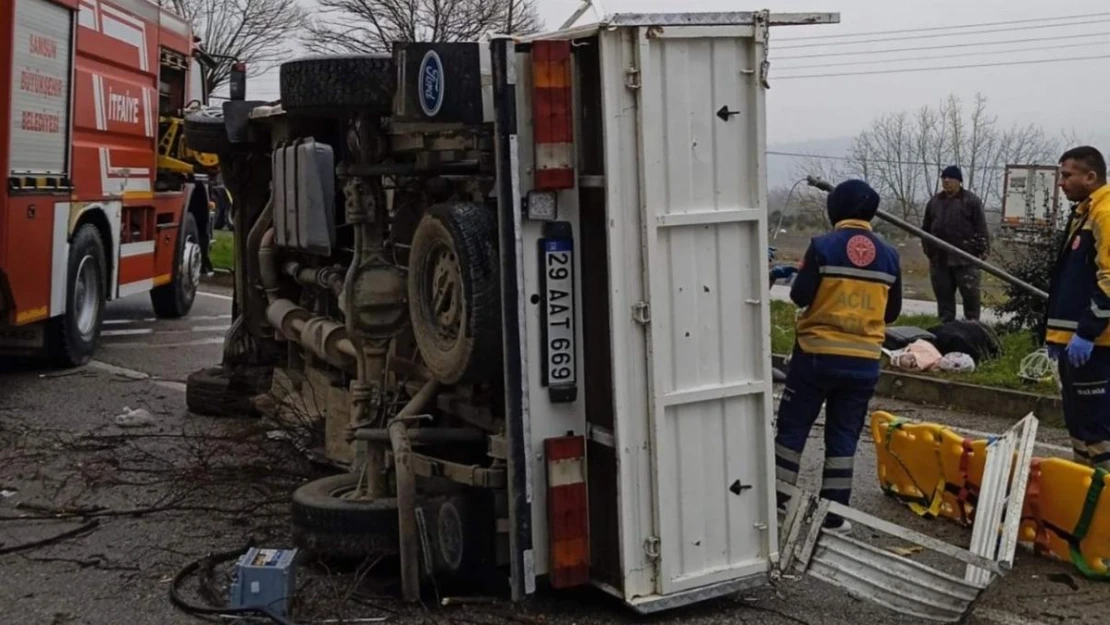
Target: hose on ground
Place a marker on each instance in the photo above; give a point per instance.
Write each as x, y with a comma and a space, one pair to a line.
1037, 366
196, 610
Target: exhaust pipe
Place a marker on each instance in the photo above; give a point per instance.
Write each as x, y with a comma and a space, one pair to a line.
946, 246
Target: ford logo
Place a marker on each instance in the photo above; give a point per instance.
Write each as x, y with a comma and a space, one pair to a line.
431, 84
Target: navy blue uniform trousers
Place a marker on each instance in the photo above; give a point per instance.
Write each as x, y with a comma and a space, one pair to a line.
1086, 399
812, 381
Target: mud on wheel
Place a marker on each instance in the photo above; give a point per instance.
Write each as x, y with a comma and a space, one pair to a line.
338, 84
454, 293
331, 522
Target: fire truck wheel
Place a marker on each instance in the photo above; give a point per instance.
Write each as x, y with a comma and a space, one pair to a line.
338, 84
455, 293
331, 524
205, 132
175, 300
74, 335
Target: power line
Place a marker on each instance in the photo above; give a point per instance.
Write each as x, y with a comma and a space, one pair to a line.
944, 47
945, 68
873, 160
934, 36
1038, 20
948, 56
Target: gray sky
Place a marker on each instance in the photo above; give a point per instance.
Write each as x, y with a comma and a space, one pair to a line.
1055, 95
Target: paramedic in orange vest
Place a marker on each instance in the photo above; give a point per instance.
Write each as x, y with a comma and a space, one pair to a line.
1076, 331
850, 286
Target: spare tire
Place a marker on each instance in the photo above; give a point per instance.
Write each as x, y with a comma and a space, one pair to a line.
330, 525
455, 293
205, 131
339, 84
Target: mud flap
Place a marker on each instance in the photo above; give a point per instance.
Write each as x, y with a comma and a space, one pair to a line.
896, 582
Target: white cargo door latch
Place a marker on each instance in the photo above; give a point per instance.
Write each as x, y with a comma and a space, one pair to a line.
641, 313
632, 78
651, 547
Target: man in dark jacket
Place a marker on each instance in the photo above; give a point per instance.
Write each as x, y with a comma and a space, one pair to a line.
956, 216
850, 284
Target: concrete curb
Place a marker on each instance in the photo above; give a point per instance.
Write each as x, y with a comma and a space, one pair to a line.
961, 397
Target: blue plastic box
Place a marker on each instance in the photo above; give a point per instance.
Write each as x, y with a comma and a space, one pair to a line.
265, 578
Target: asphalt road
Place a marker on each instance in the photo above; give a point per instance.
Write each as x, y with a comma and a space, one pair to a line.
172, 491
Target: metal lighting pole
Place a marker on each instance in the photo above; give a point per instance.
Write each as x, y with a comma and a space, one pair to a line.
948, 247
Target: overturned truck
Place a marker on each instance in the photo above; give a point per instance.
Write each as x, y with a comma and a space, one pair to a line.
517, 292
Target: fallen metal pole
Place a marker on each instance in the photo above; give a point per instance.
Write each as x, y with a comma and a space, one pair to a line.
946, 246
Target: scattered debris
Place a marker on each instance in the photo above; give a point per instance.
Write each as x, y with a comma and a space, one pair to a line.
135, 418
467, 601
7, 492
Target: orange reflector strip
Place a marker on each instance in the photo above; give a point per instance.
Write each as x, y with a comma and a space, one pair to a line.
567, 511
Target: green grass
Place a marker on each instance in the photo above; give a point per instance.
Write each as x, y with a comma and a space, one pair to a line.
223, 250
1002, 372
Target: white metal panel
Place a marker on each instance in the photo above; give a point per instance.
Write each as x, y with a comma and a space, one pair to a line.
704, 206
628, 339
41, 78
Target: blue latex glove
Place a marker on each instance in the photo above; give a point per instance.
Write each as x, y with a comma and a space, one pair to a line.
771, 253
1079, 351
783, 271
1054, 351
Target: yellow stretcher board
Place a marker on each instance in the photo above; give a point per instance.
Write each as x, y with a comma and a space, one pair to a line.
937, 473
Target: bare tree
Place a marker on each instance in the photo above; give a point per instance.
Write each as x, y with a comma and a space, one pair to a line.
255, 32
370, 26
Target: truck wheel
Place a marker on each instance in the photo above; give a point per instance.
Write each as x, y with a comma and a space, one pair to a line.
175, 300
331, 525
75, 335
454, 292
206, 132
339, 84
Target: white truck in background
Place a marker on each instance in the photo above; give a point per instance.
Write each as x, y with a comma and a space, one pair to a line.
1031, 202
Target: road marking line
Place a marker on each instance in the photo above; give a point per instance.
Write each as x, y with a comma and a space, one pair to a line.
127, 332
137, 345
215, 295
135, 375
153, 332
117, 322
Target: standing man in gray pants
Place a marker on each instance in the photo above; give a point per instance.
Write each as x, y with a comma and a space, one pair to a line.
956, 216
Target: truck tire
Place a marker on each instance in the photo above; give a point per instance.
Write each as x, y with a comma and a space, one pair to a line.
455, 293
175, 300
330, 526
206, 132
208, 392
339, 84
74, 336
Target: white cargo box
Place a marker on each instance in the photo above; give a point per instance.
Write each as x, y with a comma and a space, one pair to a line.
636, 312
666, 230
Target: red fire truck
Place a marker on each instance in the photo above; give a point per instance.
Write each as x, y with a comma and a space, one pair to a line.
102, 199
